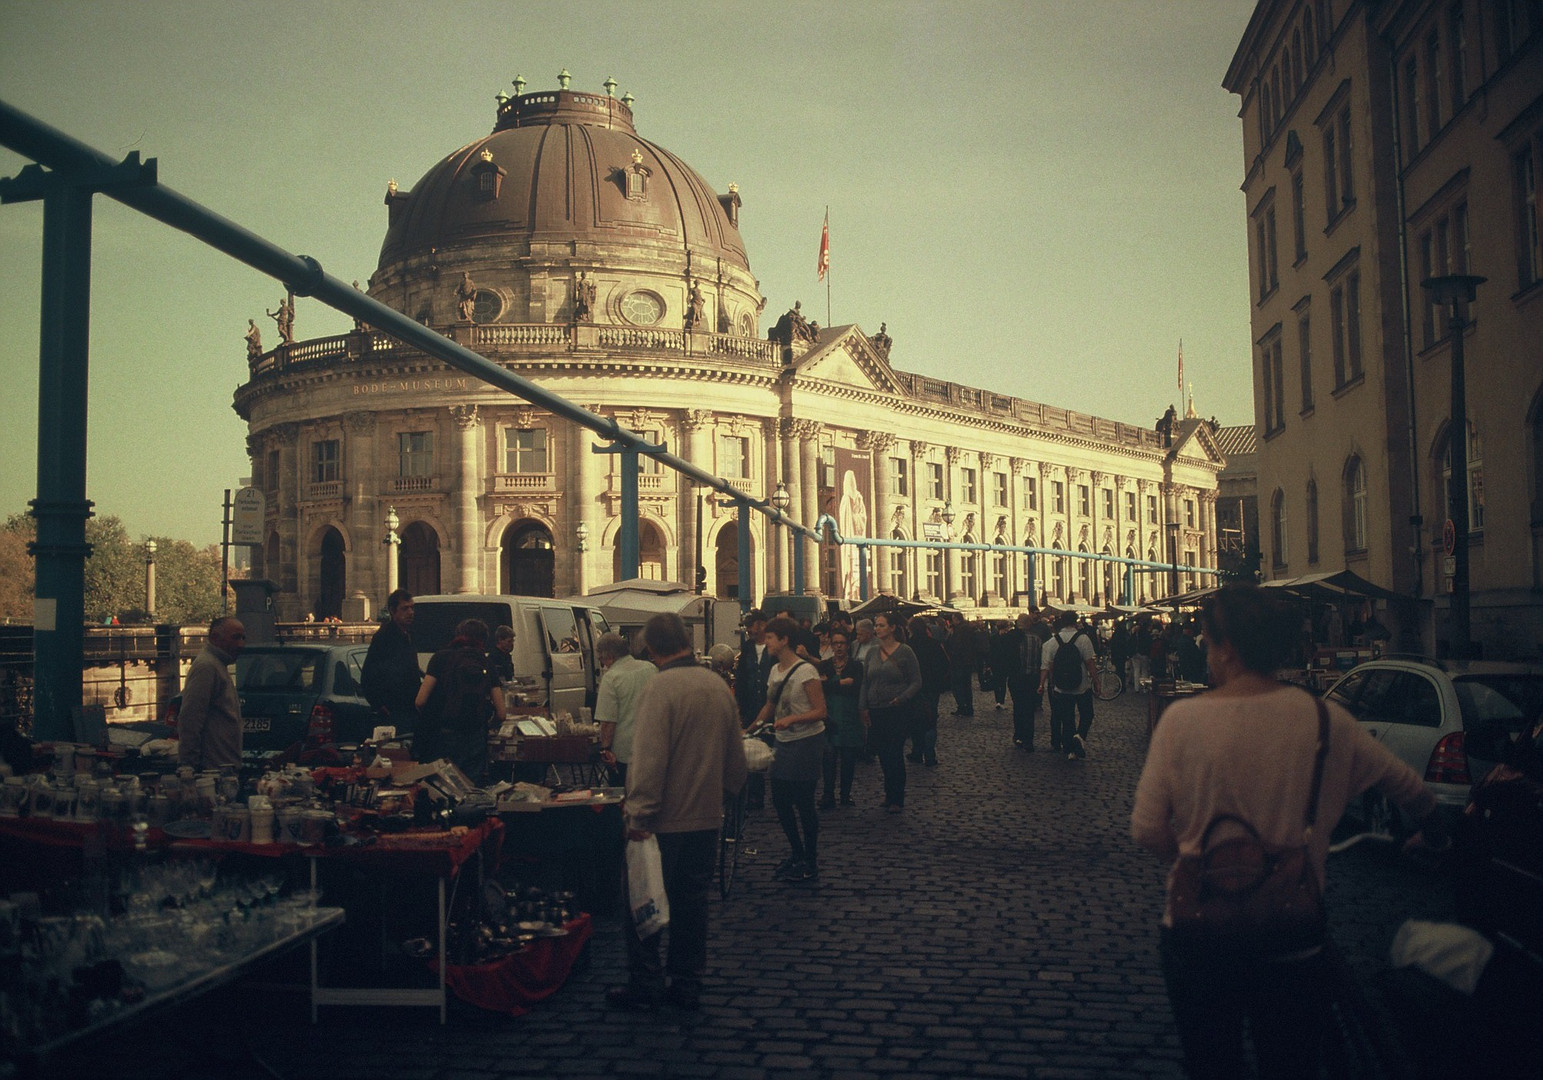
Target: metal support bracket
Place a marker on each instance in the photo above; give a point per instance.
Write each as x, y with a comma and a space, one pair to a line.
35, 182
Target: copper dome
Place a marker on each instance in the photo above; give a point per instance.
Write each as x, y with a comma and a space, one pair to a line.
564, 167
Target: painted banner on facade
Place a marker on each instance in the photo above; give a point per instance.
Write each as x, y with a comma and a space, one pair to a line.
850, 504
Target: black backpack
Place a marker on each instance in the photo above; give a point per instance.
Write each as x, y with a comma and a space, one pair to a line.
459, 701
1066, 666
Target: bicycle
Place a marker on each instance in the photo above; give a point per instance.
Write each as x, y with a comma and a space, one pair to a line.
1108, 683
731, 839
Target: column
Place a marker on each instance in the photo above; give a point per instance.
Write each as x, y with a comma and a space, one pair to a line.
1017, 518
586, 474
694, 425
366, 572
464, 524
916, 558
880, 444
775, 558
1145, 580
1096, 541
953, 561
291, 487
808, 432
787, 445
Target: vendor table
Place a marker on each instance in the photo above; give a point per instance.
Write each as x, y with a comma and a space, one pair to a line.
583, 840
196, 984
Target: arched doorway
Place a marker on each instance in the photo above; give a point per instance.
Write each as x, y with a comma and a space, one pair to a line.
331, 568
650, 553
726, 561
526, 560
418, 560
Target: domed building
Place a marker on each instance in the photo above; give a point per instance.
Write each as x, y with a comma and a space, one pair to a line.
570, 249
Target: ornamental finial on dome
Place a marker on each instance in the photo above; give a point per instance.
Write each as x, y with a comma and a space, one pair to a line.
519, 85
487, 155
627, 100
733, 188
502, 99
563, 78
637, 156
610, 86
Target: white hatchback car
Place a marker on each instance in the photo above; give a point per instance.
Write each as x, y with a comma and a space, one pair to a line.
1446, 720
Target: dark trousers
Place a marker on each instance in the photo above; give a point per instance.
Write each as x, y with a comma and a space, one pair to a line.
794, 802
964, 693
887, 737
1025, 691
924, 727
844, 759
1286, 1005
688, 860
999, 685
1062, 707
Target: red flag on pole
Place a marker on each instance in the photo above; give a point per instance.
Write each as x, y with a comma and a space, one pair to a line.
824, 263
1181, 366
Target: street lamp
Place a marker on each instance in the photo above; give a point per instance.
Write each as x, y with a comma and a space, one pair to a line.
780, 501
149, 577
947, 517
392, 541
581, 533
1457, 290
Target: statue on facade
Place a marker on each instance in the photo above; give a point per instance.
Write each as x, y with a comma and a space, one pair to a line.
465, 298
285, 318
254, 342
882, 341
793, 326
696, 308
1166, 424
583, 298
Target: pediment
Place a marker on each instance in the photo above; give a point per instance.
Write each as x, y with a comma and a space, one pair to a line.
845, 356
1196, 444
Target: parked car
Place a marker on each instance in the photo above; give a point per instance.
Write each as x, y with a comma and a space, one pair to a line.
306, 696
1448, 721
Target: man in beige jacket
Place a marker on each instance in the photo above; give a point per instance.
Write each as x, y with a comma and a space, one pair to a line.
687, 754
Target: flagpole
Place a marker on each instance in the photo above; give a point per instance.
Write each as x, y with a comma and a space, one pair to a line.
827, 270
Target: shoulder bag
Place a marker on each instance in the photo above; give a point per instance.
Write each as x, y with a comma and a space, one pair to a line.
1248, 898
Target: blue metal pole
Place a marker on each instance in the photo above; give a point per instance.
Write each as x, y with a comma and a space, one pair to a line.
745, 586
61, 507
629, 513
862, 572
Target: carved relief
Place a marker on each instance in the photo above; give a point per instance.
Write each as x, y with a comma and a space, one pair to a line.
990, 461
920, 448
524, 418
696, 419
808, 429
465, 416
1046, 469
286, 434
954, 454
877, 441
360, 422
897, 519
1098, 478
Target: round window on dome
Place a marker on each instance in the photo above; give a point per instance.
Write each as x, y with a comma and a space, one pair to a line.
642, 308
487, 306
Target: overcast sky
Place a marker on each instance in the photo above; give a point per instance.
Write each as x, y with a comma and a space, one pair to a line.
1039, 198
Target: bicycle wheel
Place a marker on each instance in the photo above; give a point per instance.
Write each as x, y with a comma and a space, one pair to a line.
1108, 685
730, 839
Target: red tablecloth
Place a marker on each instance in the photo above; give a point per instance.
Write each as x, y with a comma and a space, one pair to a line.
438, 853
516, 983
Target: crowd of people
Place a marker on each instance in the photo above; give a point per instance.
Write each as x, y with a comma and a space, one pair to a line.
830, 697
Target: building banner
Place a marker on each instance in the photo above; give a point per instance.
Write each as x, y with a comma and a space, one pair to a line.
850, 504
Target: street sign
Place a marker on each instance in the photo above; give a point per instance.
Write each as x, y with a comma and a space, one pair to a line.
247, 511
1449, 565
932, 530
1449, 538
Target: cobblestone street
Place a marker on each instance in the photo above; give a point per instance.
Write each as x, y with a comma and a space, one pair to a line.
1003, 926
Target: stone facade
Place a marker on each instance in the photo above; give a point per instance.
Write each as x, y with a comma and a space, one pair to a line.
634, 298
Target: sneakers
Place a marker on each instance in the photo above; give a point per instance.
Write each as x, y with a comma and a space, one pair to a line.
1079, 748
1071, 757
808, 872
1000, 706
796, 871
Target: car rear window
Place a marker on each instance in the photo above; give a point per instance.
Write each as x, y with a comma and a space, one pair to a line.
1513, 700
277, 671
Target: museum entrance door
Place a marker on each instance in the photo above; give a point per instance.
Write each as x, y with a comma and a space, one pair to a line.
331, 579
418, 561
527, 560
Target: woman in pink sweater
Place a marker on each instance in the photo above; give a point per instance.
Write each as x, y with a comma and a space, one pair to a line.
1247, 748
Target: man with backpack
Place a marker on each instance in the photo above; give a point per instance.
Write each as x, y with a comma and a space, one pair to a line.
458, 696
1067, 668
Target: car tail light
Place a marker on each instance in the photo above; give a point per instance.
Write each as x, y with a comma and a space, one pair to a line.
319, 730
1448, 762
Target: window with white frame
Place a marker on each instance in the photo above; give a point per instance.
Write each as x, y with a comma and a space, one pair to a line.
999, 489
1130, 506
932, 570
1057, 497
525, 450
1084, 501
935, 487
1355, 505
898, 585
1031, 492
899, 476
325, 461
1151, 509
415, 453
1475, 481
967, 489
733, 456
1108, 501
1278, 553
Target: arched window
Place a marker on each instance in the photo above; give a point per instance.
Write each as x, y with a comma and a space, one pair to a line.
650, 553
1265, 109
1296, 51
1312, 522
1082, 574
968, 578
1290, 80
418, 559
1280, 102
999, 569
1309, 39
1355, 505
1278, 553
899, 580
526, 557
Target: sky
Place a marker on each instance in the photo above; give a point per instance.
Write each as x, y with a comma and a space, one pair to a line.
1039, 198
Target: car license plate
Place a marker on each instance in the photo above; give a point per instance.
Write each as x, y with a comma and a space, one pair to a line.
255, 725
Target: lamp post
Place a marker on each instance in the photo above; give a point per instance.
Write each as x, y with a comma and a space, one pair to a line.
392, 541
1456, 290
947, 517
580, 547
149, 577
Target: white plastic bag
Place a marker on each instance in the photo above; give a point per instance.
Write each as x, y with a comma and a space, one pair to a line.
645, 887
758, 756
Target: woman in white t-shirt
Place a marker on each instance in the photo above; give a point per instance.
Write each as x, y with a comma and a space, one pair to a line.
795, 707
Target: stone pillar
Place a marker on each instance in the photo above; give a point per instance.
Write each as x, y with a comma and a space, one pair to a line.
808, 434
366, 570
694, 426
880, 445
774, 561
586, 472
1017, 524
787, 448
465, 526
954, 561
292, 480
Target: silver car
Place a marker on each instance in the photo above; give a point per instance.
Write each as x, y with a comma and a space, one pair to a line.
1447, 721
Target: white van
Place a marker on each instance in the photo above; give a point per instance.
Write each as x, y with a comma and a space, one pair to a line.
554, 642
